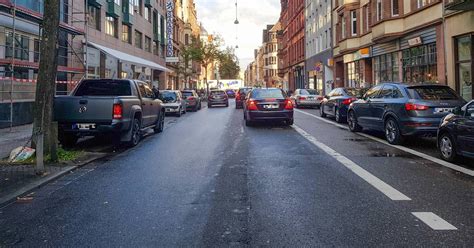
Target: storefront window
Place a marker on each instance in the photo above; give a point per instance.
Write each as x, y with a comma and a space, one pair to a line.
354, 75
386, 68
419, 64
464, 63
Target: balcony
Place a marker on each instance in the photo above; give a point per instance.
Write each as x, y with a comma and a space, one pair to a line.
114, 10
128, 18
148, 3
459, 5
387, 30
96, 3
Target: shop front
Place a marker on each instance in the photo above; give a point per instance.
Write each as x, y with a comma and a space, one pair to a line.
358, 69
464, 63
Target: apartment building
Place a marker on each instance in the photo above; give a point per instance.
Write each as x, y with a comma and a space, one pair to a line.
318, 45
270, 49
398, 40
282, 40
296, 45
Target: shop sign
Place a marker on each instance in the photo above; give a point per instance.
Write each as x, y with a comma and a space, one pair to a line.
348, 58
415, 41
169, 27
330, 62
172, 59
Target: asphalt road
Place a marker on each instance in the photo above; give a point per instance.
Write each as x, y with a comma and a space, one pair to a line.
209, 181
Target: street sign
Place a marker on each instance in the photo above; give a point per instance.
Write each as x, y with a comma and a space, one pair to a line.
172, 59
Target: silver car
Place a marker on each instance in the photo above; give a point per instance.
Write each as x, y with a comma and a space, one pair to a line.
173, 102
306, 98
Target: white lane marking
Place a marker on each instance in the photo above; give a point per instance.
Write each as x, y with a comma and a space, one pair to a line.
434, 221
405, 149
383, 187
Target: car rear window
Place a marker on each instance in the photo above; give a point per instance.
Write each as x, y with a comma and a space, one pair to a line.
104, 88
168, 96
355, 92
187, 93
244, 90
217, 93
432, 93
309, 92
267, 93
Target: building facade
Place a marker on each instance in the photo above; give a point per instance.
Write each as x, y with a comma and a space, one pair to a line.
318, 45
282, 53
295, 31
409, 41
270, 52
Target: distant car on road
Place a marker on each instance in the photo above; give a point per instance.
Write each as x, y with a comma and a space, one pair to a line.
337, 102
120, 107
173, 102
217, 97
306, 98
456, 134
403, 110
230, 93
193, 101
241, 96
268, 104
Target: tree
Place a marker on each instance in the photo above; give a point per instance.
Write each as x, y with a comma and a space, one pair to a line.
206, 53
46, 86
229, 64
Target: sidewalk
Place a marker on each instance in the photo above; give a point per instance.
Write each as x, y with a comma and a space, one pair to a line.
9, 140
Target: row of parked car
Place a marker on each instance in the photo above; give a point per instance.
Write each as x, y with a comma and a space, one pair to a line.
403, 110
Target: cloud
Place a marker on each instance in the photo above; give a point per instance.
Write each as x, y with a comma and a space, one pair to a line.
218, 16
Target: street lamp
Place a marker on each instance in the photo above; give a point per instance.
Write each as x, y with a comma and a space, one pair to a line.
236, 19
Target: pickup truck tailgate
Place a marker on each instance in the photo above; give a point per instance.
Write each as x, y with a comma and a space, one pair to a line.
83, 109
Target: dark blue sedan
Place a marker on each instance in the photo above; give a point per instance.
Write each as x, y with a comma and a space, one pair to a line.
456, 134
337, 102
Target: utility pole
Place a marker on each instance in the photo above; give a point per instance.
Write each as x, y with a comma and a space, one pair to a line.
43, 126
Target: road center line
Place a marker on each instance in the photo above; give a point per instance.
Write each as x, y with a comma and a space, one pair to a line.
434, 221
383, 187
405, 149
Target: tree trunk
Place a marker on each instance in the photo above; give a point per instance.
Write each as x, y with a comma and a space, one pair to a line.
205, 80
46, 84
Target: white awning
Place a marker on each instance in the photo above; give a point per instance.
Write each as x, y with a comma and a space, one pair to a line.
130, 58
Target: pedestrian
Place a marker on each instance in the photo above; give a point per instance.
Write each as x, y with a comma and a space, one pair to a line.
156, 91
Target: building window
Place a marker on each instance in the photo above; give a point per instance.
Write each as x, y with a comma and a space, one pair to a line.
138, 39
131, 6
126, 33
156, 50
420, 64
354, 75
464, 65
343, 29
117, 2
395, 8
22, 46
111, 26
379, 10
148, 44
367, 18
386, 68
422, 3
138, 6
94, 17
353, 23
148, 14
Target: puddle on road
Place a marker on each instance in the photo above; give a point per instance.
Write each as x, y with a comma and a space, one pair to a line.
357, 139
382, 154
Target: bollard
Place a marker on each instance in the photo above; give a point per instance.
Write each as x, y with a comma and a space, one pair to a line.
39, 153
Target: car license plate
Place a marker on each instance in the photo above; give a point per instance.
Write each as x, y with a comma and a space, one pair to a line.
270, 106
443, 110
310, 98
84, 126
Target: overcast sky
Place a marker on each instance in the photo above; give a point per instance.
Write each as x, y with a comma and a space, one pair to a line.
218, 16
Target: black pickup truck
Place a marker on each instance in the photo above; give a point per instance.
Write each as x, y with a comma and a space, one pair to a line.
120, 107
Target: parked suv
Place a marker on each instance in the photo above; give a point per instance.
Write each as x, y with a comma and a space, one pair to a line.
193, 101
173, 102
456, 134
403, 110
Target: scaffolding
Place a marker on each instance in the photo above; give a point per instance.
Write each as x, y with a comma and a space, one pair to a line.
20, 56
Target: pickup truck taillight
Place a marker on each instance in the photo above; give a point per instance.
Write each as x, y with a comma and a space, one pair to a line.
117, 111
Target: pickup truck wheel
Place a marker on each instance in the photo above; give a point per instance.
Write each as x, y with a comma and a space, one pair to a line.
67, 140
136, 133
160, 125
